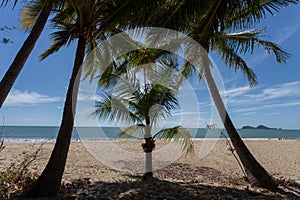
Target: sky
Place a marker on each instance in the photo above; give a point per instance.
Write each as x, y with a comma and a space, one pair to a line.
37, 97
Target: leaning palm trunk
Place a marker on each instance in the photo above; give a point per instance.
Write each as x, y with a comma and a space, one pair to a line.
49, 182
256, 174
21, 57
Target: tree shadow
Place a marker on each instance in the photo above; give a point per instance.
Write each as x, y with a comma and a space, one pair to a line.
177, 181
158, 189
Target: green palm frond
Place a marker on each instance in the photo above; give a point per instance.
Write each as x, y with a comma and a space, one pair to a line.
178, 134
105, 65
229, 45
113, 108
166, 72
133, 131
276, 5
92, 60
231, 58
133, 12
248, 13
103, 107
247, 41
127, 86
164, 96
158, 112
59, 39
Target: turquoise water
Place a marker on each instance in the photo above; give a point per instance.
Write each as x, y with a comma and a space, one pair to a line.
48, 134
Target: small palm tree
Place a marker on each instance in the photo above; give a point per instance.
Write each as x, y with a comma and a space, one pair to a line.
141, 107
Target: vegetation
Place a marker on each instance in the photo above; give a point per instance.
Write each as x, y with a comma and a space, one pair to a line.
78, 20
141, 107
213, 32
82, 28
211, 23
18, 176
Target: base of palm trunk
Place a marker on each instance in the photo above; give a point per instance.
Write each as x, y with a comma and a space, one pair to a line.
148, 176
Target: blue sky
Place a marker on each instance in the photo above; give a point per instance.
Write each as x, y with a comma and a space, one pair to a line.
38, 95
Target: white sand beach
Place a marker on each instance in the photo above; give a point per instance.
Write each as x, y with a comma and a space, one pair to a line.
279, 157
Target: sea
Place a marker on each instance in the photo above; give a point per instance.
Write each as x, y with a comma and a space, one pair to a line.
49, 133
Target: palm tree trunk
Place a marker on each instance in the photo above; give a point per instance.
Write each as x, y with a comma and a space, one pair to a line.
49, 182
256, 174
21, 57
148, 147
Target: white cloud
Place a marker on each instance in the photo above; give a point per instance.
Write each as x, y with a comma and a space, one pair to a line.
283, 90
282, 105
247, 101
242, 95
248, 113
17, 98
233, 92
286, 32
271, 114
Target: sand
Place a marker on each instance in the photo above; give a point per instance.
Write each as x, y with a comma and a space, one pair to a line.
218, 168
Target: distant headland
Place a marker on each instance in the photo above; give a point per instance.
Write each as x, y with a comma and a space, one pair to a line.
260, 127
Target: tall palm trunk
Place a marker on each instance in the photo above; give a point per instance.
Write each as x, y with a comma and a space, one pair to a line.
49, 182
256, 174
21, 57
148, 147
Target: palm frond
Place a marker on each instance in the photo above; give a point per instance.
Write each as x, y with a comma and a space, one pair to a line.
178, 134
229, 45
247, 41
59, 39
158, 112
166, 72
232, 59
113, 109
29, 14
133, 131
248, 13
127, 86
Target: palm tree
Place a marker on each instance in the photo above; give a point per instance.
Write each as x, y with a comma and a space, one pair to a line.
82, 27
37, 13
142, 106
207, 23
229, 46
35, 17
209, 29
88, 21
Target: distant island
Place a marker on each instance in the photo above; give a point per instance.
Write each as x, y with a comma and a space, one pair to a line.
259, 127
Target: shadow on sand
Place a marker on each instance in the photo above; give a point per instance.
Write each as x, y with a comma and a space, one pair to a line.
136, 189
